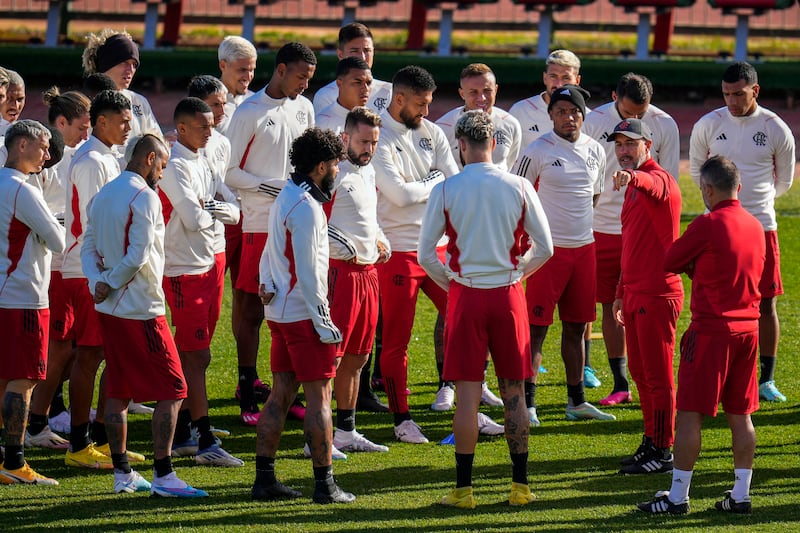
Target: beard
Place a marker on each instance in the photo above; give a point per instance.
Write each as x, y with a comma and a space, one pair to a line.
328, 180
411, 122
359, 160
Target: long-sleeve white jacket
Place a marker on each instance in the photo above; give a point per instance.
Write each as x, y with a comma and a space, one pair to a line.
218, 153
507, 135
380, 96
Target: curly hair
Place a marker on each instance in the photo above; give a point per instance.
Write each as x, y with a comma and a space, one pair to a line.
313, 147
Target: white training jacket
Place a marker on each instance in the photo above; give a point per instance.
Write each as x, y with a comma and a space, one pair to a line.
507, 135
261, 133
761, 145
294, 264
497, 228
332, 117
380, 96
143, 119
218, 153
28, 231
404, 161
231, 103
123, 246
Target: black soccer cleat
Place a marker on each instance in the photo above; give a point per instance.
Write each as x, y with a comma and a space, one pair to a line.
655, 461
729, 505
274, 491
328, 491
661, 504
646, 444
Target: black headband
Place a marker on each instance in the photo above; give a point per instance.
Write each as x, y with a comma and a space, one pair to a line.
117, 49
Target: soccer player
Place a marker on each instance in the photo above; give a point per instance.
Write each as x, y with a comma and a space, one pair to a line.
412, 157
188, 194
723, 251
11, 107
630, 100
562, 67
498, 236
357, 244
478, 88
29, 231
762, 147
354, 82
566, 166
141, 358
294, 289
648, 299
355, 40
237, 65
261, 132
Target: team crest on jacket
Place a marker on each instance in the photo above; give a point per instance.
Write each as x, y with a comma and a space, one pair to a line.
379, 103
426, 144
760, 138
137, 110
591, 163
500, 137
301, 118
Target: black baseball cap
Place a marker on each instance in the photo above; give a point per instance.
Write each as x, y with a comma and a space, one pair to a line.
633, 128
570, 93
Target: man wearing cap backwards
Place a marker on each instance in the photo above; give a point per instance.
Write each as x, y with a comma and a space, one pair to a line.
492, 217
566, 166
648, 299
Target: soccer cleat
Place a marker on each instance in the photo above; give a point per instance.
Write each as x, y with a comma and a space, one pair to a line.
171, 486
640, 452
219, 433
329, 492
24, 475
587, 411
88, 457
261, 391
46, 439
489, 398
542, 370
353, 441
445, 399
661, 504
655, 461
133, 457
250, 416
520, 494
335, 453
60, 423
369, 401
408, 431
460, 498
186, 448
533, 418
130, 482
297, 410
590, 381
487, 426
729, 505
216, 456
767, 391
275, 491
3, 479
614, 398
139, 409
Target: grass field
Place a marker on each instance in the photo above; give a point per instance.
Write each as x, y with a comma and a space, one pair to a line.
572, 465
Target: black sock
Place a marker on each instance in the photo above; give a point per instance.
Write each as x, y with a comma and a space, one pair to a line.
57, 405
519, 468
767, 368
464, 469
363, 380
206, 438
323, 473
37, 424
79, 437
121, 463
619, 369
575, 393
440, 369
346, 419
183, 429
530, 394
162, 466
587, 347
399, 418
99, 435
15, 457
247, 376
265, 471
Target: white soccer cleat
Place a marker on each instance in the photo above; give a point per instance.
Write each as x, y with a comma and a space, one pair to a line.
46, 439
489, 398
487, 426
336, 454
130, 483
139, 409
216, 456
408, 431
353, 441
445, 399
60, 422
533, 418
171, 486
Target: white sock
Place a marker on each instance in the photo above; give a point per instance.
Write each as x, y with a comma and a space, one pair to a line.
741, 485
681, 481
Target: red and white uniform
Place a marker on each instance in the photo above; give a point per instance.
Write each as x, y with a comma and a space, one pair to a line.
332, 117
533, 118
231, 103
380, 96
507, 135
651, 297
498, 234
723, 252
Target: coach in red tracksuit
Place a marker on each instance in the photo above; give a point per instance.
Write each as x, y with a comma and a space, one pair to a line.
648, 299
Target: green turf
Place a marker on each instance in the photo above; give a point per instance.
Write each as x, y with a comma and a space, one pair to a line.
572, 468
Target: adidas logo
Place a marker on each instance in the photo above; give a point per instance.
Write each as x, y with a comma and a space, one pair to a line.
604, 136
722, 137
535, 127
556, 163
398, 149
269, 123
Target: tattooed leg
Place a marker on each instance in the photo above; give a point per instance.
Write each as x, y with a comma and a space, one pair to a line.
117, 424
165, 418
318, 423
16, 403
516, 415
273, 414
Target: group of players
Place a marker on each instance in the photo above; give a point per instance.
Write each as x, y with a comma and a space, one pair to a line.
332, 215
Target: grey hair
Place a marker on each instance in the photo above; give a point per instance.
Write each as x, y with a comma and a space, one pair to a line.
14, 78
475, 126
233, 48
27, 129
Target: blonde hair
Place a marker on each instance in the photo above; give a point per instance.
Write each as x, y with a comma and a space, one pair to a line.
565, 58
95, 41
233, 48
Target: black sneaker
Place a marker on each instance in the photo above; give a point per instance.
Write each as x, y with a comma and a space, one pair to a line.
369, 401
729, 505
655, 461
646, 444
661, 504
329, 492
275, 491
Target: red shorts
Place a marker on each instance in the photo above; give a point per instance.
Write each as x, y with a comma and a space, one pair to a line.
58, 308
191, 298
353, 294
142, 361
252, 248
81, 323
296, 348
718, 366
25, 355
771, 284
478, 320
219, 287
233, 249
608, 251
567, 279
